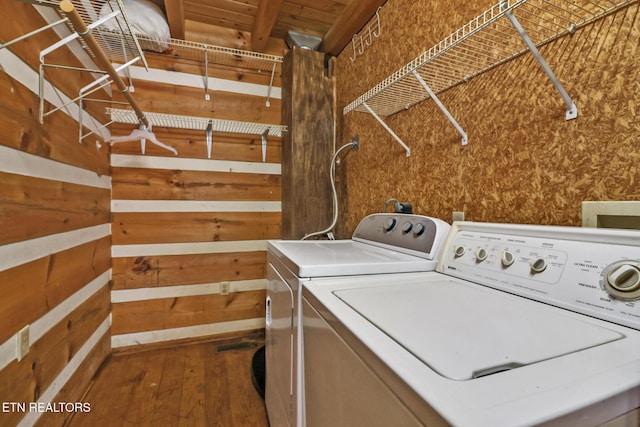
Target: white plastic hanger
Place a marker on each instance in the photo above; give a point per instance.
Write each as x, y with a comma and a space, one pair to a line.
142, 134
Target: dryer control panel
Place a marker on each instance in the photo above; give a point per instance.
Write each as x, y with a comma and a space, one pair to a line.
590, 271
413, 234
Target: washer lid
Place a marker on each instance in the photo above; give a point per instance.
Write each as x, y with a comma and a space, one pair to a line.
464, 331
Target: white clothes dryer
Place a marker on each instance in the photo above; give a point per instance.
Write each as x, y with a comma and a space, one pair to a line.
382, 244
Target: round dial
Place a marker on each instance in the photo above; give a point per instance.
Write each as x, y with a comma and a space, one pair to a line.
389, 224
406, 227
481, 254
507, 258
418, 230
459, 250
622, 280
538, 265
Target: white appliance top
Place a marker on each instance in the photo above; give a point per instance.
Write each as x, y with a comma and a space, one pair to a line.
518, 325
491, 332
381, 244
327, 258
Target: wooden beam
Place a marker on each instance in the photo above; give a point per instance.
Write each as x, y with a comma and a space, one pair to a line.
266, 15
175, 17
355, 16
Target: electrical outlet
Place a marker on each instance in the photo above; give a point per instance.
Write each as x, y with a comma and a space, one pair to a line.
23, 343
224, 288
457, 216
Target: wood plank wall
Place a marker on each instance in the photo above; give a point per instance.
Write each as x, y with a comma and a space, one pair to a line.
184, 224
524, 163
55, 261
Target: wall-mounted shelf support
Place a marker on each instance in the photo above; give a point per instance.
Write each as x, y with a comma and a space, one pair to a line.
206, 76
442, 107
209, 137
388, 129
264, 144
572, 110
273, 74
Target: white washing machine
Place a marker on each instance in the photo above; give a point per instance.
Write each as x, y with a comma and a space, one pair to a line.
518, 326
382, 244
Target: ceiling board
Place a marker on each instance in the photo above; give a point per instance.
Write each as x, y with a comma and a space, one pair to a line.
338, 19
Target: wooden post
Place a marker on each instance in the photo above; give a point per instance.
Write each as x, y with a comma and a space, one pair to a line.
307, 147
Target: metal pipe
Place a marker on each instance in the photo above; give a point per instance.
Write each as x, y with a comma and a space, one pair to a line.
39, 30
101, 58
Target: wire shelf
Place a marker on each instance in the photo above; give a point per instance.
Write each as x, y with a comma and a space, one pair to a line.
259, 62
119, 46
196, 123
483, 43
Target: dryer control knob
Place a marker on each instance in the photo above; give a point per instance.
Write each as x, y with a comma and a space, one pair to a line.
538, 265
459, 251
389, 224
481, 254
507, 258
406, 227
418, 230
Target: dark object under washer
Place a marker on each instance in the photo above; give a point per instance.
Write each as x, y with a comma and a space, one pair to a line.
258, 363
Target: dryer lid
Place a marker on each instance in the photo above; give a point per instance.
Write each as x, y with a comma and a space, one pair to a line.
465, 331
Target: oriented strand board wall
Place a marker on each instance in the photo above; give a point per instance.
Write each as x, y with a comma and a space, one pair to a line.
524, 163
55, 261
184, 224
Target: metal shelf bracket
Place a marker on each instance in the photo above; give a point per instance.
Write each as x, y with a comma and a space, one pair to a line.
388, 129
442, 107
572, 110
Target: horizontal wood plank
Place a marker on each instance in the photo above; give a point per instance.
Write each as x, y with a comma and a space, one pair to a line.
163, 184
32, 289
171, 270
170, 227
57, 139
26, 380
167, 313
189, 101
74, 390
192, 144
34, 207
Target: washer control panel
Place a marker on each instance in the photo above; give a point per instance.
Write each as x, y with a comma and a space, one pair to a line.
414, 234
590, 271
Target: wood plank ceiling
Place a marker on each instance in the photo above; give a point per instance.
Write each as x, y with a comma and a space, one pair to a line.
262, 25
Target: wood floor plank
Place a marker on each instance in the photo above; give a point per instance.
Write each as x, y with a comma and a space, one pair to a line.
198, 384
192, 404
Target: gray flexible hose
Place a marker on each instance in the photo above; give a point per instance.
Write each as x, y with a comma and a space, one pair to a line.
354, 145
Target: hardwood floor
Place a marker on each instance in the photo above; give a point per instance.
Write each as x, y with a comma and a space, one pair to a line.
202, 384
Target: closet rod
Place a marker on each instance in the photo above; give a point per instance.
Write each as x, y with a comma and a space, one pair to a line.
103, 62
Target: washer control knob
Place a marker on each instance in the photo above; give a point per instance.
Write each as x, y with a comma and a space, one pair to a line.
390, 223
419, 229
459, 251
538, 265
406, 227
624, 278
481, 254
507, 258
